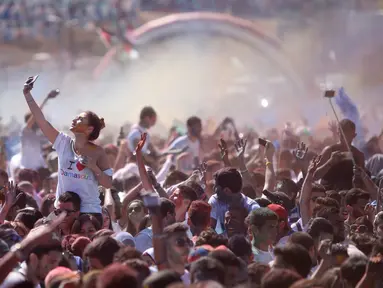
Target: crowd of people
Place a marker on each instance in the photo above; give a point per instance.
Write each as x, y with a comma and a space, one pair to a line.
227, 209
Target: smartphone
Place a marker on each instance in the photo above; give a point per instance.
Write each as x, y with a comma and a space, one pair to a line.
31, 80
262, 142
329, 93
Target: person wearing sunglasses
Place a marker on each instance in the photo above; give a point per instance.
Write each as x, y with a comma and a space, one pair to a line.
177, 249
69, 202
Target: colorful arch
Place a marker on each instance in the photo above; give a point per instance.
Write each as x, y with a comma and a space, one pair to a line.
228, 25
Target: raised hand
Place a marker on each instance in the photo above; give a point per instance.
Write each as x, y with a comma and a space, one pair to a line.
301, 151
223, 149
10, 193
152, 177
240, 147
141, 143
324, 250
333, 127
314, 164
53, 94
270, 150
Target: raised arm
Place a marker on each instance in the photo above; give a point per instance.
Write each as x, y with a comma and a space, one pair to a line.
328, 159
51, 95
49, 131
270, 178
305, 196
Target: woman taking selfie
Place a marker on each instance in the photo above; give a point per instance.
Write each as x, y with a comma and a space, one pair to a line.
83, 165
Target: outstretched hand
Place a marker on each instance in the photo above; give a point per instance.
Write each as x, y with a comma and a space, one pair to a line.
53, 94
301, 151
223, 149
10, 193
141, 143
314, 164
42, 234
240, 146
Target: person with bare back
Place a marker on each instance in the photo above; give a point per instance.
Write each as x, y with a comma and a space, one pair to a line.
83, 165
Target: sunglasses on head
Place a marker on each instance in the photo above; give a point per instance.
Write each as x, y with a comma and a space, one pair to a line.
59, 211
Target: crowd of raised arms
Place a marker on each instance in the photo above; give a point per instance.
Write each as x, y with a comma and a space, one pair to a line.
227, 209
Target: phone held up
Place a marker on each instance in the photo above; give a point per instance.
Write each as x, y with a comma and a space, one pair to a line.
31, 80
329, 94
262, 142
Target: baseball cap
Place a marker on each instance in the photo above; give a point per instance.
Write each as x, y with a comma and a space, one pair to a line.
279, 198
279, 210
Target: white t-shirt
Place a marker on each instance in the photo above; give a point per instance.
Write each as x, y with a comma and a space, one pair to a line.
31, 156
263, 257
75, 177
194, 150
134, 135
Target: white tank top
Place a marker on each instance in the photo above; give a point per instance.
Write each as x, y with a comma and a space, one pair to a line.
75, 177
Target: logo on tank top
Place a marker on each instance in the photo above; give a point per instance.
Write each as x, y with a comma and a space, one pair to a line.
75, 175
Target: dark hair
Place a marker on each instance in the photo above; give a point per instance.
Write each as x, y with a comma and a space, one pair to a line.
319, 225
4, 175
101, 233
127, 253
43, 249
364, 242
118, 276
28, 175
326, 212
354, 195
302, 238
76, 228
166, 207
147, 111
229, 178
240, 246
28, 216
71, 197
174, 178
197, 189
287, 186
334, 195
346, 123
130, 227
187, 192
199, 213
175, 228
327, 201
207, 269
97, 123
263, 202
104, 249
141, 267
378, 248
280, 278
295, 256
162, 279
226, 257
318, 188
353, 269
47, 202
194, 120
258, 217
363, 220
256, 273
210, 237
